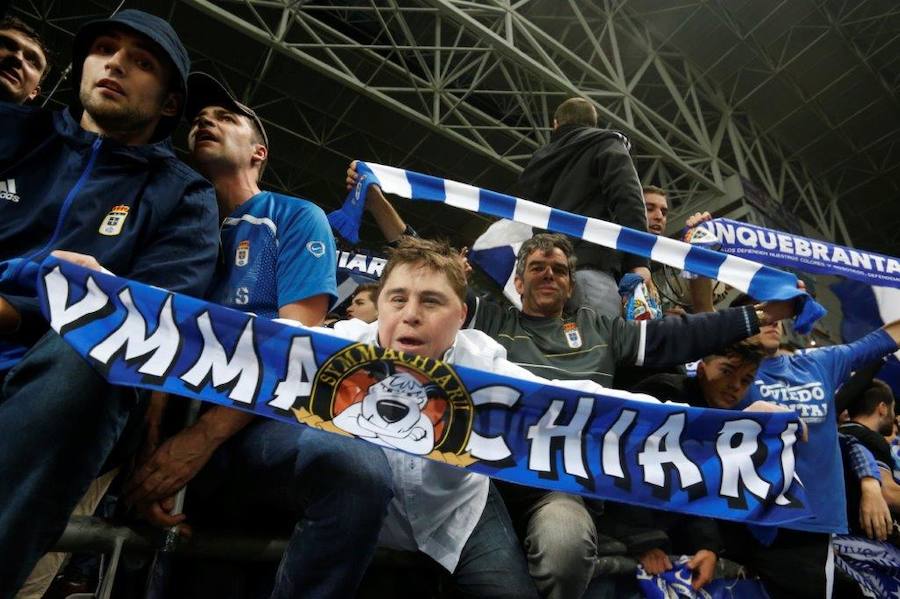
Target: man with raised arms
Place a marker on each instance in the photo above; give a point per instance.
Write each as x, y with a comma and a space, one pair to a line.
806, 383
551, 343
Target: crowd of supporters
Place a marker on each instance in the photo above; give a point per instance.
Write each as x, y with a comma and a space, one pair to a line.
99, 184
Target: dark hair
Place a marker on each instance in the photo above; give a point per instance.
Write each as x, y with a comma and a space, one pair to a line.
16, 24
437, 256
745, 352
654, 189
576, 111
878, 392
370, 288
545, 242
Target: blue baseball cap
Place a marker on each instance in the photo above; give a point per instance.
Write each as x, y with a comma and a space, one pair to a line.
151, 27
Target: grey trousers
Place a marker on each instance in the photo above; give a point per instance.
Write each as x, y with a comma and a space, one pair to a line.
560, 546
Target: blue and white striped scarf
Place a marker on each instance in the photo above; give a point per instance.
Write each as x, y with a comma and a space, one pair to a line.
760, 282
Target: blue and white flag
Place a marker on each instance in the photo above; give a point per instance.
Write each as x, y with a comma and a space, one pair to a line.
356, 267
866, 308
808, 255
761, 282
716, 463
677, 584
874, 565
495, 253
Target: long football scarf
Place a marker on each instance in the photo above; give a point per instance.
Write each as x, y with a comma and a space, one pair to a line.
808, 255
874, 565
731, 465
761, 282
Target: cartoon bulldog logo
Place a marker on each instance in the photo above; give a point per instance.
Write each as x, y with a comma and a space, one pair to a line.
405, 402
391, 414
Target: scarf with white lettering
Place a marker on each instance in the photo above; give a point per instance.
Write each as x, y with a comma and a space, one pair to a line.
808, 255
717, 463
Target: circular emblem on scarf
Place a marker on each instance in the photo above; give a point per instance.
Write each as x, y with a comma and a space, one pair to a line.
393, 399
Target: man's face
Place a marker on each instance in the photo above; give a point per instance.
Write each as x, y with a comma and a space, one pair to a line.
222, 139
418, 312
124, 83
546, 283
363, 308
768, 338
724, 380
657, 213
22, 64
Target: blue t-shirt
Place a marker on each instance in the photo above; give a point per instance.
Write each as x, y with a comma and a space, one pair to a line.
278, 250
806, 383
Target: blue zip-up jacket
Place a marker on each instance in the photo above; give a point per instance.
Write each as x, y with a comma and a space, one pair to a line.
139, 210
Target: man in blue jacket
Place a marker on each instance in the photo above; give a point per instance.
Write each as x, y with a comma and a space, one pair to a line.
99, 178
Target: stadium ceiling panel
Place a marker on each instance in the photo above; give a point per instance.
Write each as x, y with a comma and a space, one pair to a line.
820, 76
799, 98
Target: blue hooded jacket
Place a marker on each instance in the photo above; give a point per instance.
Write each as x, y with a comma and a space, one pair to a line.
139, 210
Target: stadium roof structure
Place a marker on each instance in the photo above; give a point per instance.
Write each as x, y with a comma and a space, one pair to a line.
785, 109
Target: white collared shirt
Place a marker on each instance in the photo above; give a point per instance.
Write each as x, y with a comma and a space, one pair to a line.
436, 506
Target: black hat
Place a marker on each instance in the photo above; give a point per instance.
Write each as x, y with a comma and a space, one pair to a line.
158, 30
205, 90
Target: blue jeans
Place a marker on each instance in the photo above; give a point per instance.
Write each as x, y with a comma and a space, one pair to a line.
331, 489
59, 421
492, 564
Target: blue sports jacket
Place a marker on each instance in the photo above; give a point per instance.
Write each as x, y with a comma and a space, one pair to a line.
139, 210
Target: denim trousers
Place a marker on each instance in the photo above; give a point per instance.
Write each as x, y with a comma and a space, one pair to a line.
59, 421
492, 564
328, 491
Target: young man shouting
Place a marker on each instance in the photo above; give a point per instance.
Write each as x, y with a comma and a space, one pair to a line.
454, 516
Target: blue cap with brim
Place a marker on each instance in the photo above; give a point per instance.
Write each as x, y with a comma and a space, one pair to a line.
150, 26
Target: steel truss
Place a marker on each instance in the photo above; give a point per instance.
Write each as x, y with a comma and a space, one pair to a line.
487, 76
833, 69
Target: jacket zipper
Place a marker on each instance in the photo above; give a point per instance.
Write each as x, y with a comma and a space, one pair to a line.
67, 204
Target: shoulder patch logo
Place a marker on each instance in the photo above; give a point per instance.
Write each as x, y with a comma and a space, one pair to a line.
114, 221
242, 256
316, 248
